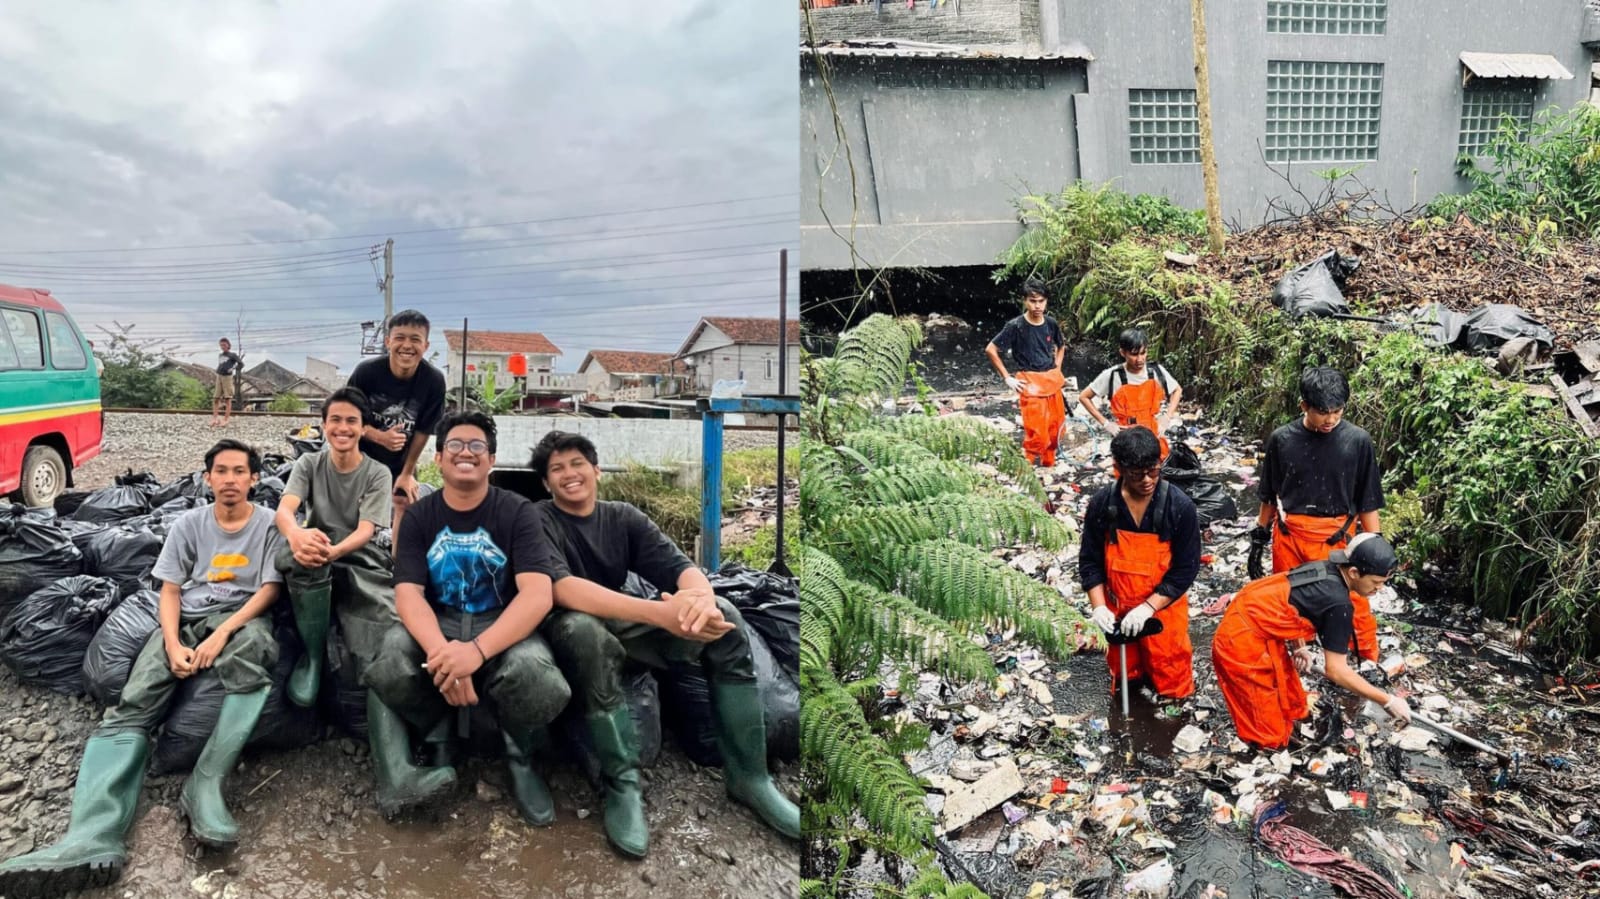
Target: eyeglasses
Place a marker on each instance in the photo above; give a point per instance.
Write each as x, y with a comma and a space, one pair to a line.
476, 447
1142, 474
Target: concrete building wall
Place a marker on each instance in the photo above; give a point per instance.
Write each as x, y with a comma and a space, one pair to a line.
757, 365
940, 149
976, 23
1147, 44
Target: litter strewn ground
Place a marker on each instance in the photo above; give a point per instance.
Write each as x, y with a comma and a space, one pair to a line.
1079, 801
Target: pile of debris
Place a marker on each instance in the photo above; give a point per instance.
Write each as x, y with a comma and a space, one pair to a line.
1044, 789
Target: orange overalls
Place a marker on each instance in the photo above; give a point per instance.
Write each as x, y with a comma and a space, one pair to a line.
1139, 404
1250, 655
1043, 413
1310, 538
1135, 564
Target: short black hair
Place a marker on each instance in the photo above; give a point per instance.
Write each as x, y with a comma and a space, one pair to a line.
1135, 448
560, 442
1132, 339
1036, 285
1324, 389
408, 317
224, 340
228, 443
355, 396
476, 419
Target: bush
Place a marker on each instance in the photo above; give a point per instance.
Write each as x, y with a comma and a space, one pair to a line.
286, 402
187, 393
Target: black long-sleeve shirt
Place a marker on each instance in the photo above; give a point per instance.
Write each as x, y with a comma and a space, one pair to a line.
1182, 522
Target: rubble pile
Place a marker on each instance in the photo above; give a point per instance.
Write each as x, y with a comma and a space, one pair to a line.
1042, 789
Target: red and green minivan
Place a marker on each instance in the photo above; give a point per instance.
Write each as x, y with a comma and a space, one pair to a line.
50, 418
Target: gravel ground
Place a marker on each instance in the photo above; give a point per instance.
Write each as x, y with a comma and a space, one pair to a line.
174, 444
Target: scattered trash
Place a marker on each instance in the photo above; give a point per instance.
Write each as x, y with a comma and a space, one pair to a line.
1190, 739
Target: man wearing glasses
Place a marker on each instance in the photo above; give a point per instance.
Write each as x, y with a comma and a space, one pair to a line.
1140, 554
471, 585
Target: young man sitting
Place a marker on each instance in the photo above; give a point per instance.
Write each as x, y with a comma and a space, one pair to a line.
597, 628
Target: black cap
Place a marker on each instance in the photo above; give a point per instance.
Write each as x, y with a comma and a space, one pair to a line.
1369, 553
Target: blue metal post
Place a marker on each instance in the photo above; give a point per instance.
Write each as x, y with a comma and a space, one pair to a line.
711, 489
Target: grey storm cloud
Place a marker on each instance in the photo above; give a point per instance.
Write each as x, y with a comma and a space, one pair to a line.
269, 144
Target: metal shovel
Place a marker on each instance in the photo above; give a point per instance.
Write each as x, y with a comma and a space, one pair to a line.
1120, 640
1375, 711
778, 566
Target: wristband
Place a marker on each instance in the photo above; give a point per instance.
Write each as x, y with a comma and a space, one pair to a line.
481, 654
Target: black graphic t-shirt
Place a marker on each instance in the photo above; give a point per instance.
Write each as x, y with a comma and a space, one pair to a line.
1033, 347
610, 542
416, 405
468, 561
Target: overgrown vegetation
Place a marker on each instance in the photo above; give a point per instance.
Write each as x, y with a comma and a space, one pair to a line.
286, 402
1497, 486
676, 509
1542, 179
133, 379
898, 517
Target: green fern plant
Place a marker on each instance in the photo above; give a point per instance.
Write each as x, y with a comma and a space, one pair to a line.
898, 514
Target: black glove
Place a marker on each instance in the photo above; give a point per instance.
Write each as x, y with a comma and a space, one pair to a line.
1260, 539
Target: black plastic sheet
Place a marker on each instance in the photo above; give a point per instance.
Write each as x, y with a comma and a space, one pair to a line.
1317, 288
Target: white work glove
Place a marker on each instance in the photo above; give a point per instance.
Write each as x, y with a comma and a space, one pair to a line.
1112, 427
1014, 383
1303, 659
1398, 709
1103, 616
1133, 622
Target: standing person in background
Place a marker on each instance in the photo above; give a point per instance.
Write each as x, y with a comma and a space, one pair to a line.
1318, 481
228, 363
405, 395
1037, 346
1137, 392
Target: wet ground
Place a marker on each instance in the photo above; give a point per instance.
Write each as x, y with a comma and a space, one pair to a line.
1109, 803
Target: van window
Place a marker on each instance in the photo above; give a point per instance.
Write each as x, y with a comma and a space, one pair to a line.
66, 352
8, 353
23, 326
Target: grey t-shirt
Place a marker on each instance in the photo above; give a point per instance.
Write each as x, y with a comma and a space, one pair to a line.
1101, 385
339, 502
216, 570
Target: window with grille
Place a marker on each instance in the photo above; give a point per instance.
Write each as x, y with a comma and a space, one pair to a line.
1323, 111
1484, 105
1163, 126
1350, 17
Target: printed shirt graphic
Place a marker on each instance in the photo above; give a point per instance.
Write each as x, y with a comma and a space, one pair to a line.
411, 405
469, 571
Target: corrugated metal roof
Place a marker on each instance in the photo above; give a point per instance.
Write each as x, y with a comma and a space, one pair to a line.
920, 49
1514, 65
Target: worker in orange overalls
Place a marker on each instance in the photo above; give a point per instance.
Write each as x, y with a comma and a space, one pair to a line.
1318, 481
1138, 392
1260, 648
1140, 553
1036, 345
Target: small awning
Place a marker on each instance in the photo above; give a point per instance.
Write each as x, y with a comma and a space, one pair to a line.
1514, 65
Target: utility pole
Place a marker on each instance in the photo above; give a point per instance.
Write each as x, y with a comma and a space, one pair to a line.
1208, 151
388, 281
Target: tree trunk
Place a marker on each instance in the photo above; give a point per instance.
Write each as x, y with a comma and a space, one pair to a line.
1208, 152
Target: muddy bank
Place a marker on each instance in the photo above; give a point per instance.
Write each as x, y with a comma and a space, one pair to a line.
311, 829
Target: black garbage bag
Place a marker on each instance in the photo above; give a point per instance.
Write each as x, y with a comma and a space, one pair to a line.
276, 465
123, 554
770, 603
34, 552
110, 655
45, 637
644, 705
686, 706
191, 485
348, 705
1488, 327
176, 506
1212, 500
128, 497
82, 532
198, 701
267, 492
1316, 288
68, 502
306, 439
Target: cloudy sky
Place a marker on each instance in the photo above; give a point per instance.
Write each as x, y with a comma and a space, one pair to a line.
603, 173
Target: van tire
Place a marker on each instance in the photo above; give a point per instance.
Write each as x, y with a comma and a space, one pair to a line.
44, 476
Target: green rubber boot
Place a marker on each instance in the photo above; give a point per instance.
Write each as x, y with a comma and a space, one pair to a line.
402, 783
528, 789
742, 737
91, 853
617, 745
312, 609
201, 800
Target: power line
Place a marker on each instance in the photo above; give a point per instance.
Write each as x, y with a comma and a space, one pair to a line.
386, 234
